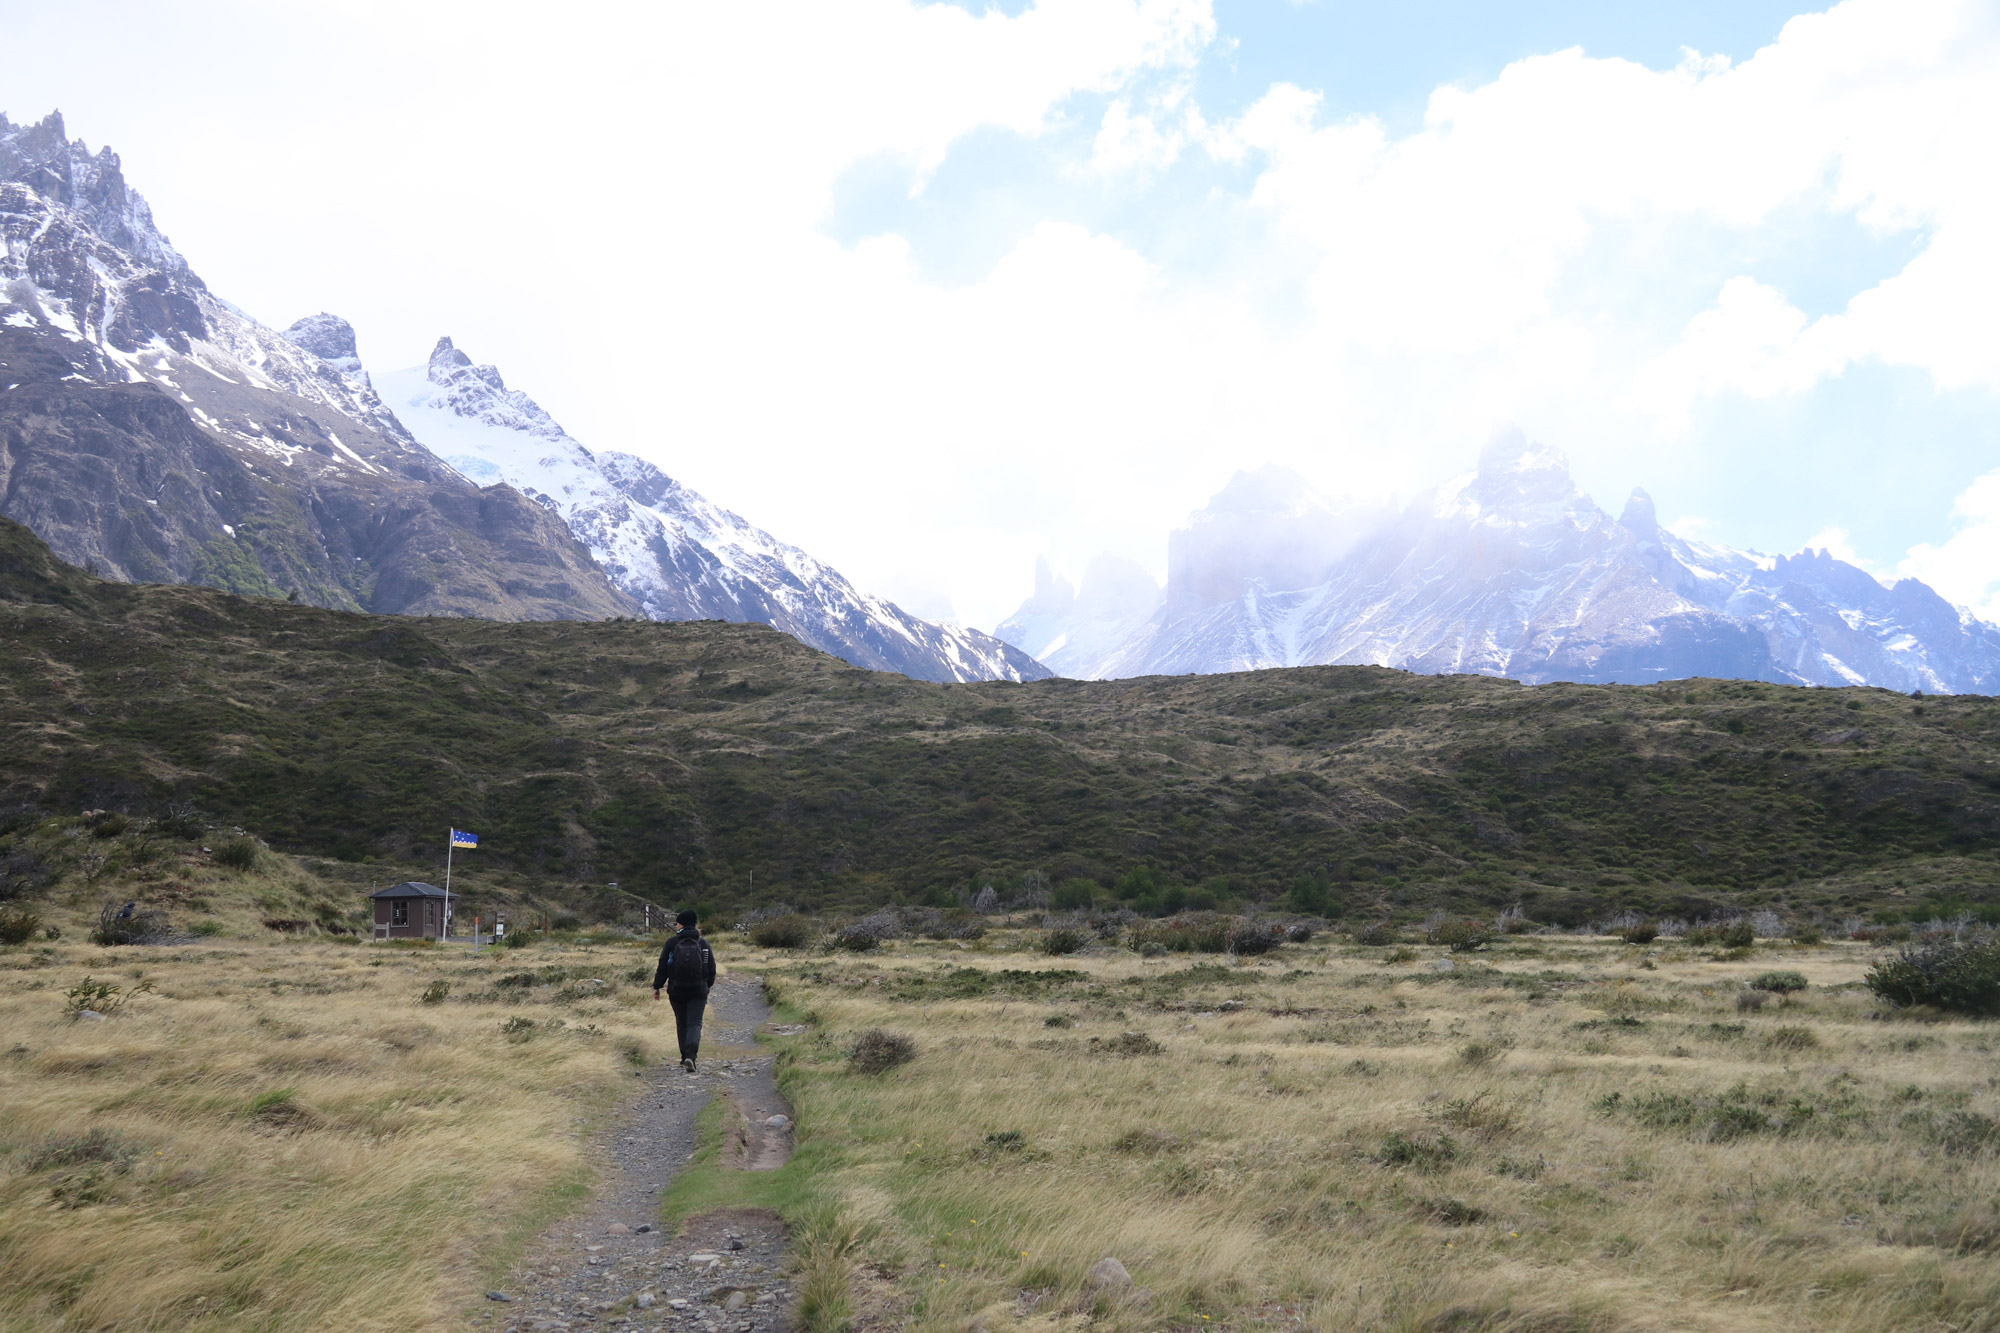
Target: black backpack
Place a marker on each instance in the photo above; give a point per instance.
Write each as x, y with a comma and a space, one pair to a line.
689, 972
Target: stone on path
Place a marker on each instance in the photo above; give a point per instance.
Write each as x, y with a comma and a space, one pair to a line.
779, 1121
1107, 1274
737, 1300
498, 1296
618, 1229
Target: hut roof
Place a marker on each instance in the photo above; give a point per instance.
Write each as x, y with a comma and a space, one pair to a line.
409, 888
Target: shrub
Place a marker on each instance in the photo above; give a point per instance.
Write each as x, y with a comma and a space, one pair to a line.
1128, 1043
22, 872
1420, 1152
1949, 974
1251, 937
1481, 1052
126, 924
1074, 895
1780, 984
110, 826
1792, 1039
436, 992
1375, 934
514, 940
876, 1051
1064, 940
791, 931
1058, 1021
1808, 935
1190, 932
869, 931
1643, 933
237, 854
101, 997
18, 927
1298, 932
1460, 934
1738, 934
1750, 1000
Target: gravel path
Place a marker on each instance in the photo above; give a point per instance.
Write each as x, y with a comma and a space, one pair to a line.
609, 1267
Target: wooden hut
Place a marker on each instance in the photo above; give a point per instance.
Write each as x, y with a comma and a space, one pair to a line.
411, 910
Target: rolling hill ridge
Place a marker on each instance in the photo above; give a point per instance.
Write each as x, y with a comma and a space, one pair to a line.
679, 758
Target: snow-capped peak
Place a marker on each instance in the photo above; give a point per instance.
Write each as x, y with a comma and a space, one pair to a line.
676, 553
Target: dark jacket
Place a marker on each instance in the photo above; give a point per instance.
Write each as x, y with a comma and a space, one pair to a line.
664, 977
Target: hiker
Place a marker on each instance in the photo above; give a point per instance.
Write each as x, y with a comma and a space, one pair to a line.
687, 970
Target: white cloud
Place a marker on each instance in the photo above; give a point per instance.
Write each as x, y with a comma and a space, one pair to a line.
1965, 567
626, 209
1835, 541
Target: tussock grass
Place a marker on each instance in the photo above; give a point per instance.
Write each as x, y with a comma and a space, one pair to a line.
283, 1134
1629, 1151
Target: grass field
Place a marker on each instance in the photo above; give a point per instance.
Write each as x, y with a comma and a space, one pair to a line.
1565, 1134
1558, 1133
285, 1135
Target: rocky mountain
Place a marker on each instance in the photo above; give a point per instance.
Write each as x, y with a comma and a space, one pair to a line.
1511, 570
153, 432
676, 554
1076, 630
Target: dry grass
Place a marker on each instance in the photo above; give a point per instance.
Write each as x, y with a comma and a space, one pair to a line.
1549, 1137
284, 1136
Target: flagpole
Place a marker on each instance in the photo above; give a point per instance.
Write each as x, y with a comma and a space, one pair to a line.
444, 927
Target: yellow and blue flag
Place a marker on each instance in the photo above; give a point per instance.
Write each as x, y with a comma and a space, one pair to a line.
460, 838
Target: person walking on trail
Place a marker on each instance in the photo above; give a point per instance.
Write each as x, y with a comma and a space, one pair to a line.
686, 973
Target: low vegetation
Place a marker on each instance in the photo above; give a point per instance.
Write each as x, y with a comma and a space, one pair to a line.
679, 759
1551, 1137
279, 1133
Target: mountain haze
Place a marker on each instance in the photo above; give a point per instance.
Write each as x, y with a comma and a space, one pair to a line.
1511, 570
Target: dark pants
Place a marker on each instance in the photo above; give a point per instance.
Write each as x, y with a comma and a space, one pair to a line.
687, 1021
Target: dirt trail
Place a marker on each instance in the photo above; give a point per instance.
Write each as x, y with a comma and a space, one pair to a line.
608, 1266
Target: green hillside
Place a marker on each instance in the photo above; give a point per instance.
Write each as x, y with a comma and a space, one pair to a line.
678, 759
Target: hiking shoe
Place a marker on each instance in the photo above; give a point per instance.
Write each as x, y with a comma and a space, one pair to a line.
687, 1064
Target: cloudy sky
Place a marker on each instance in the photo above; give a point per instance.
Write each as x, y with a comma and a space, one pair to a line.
931, 289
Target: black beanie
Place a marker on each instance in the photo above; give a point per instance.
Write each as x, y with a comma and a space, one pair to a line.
685, 919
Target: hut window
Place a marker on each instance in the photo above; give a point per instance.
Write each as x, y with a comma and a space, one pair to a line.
399, 914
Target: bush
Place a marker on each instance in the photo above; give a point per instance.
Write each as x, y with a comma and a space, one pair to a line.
18, 927
436, 992
1422, 1152
791, 931
1808, 935
1064, 940
126, 924
1190, 932
1128, 1043
1460, 934
869, 931
876, 1051
237, 854
1751, 1000
515, 940
1780, 984
1254, 938
1738, 934
22, 872
1949, 974
1299, 932
1643, 933
1074, 895
1376, 933
1792, 1039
